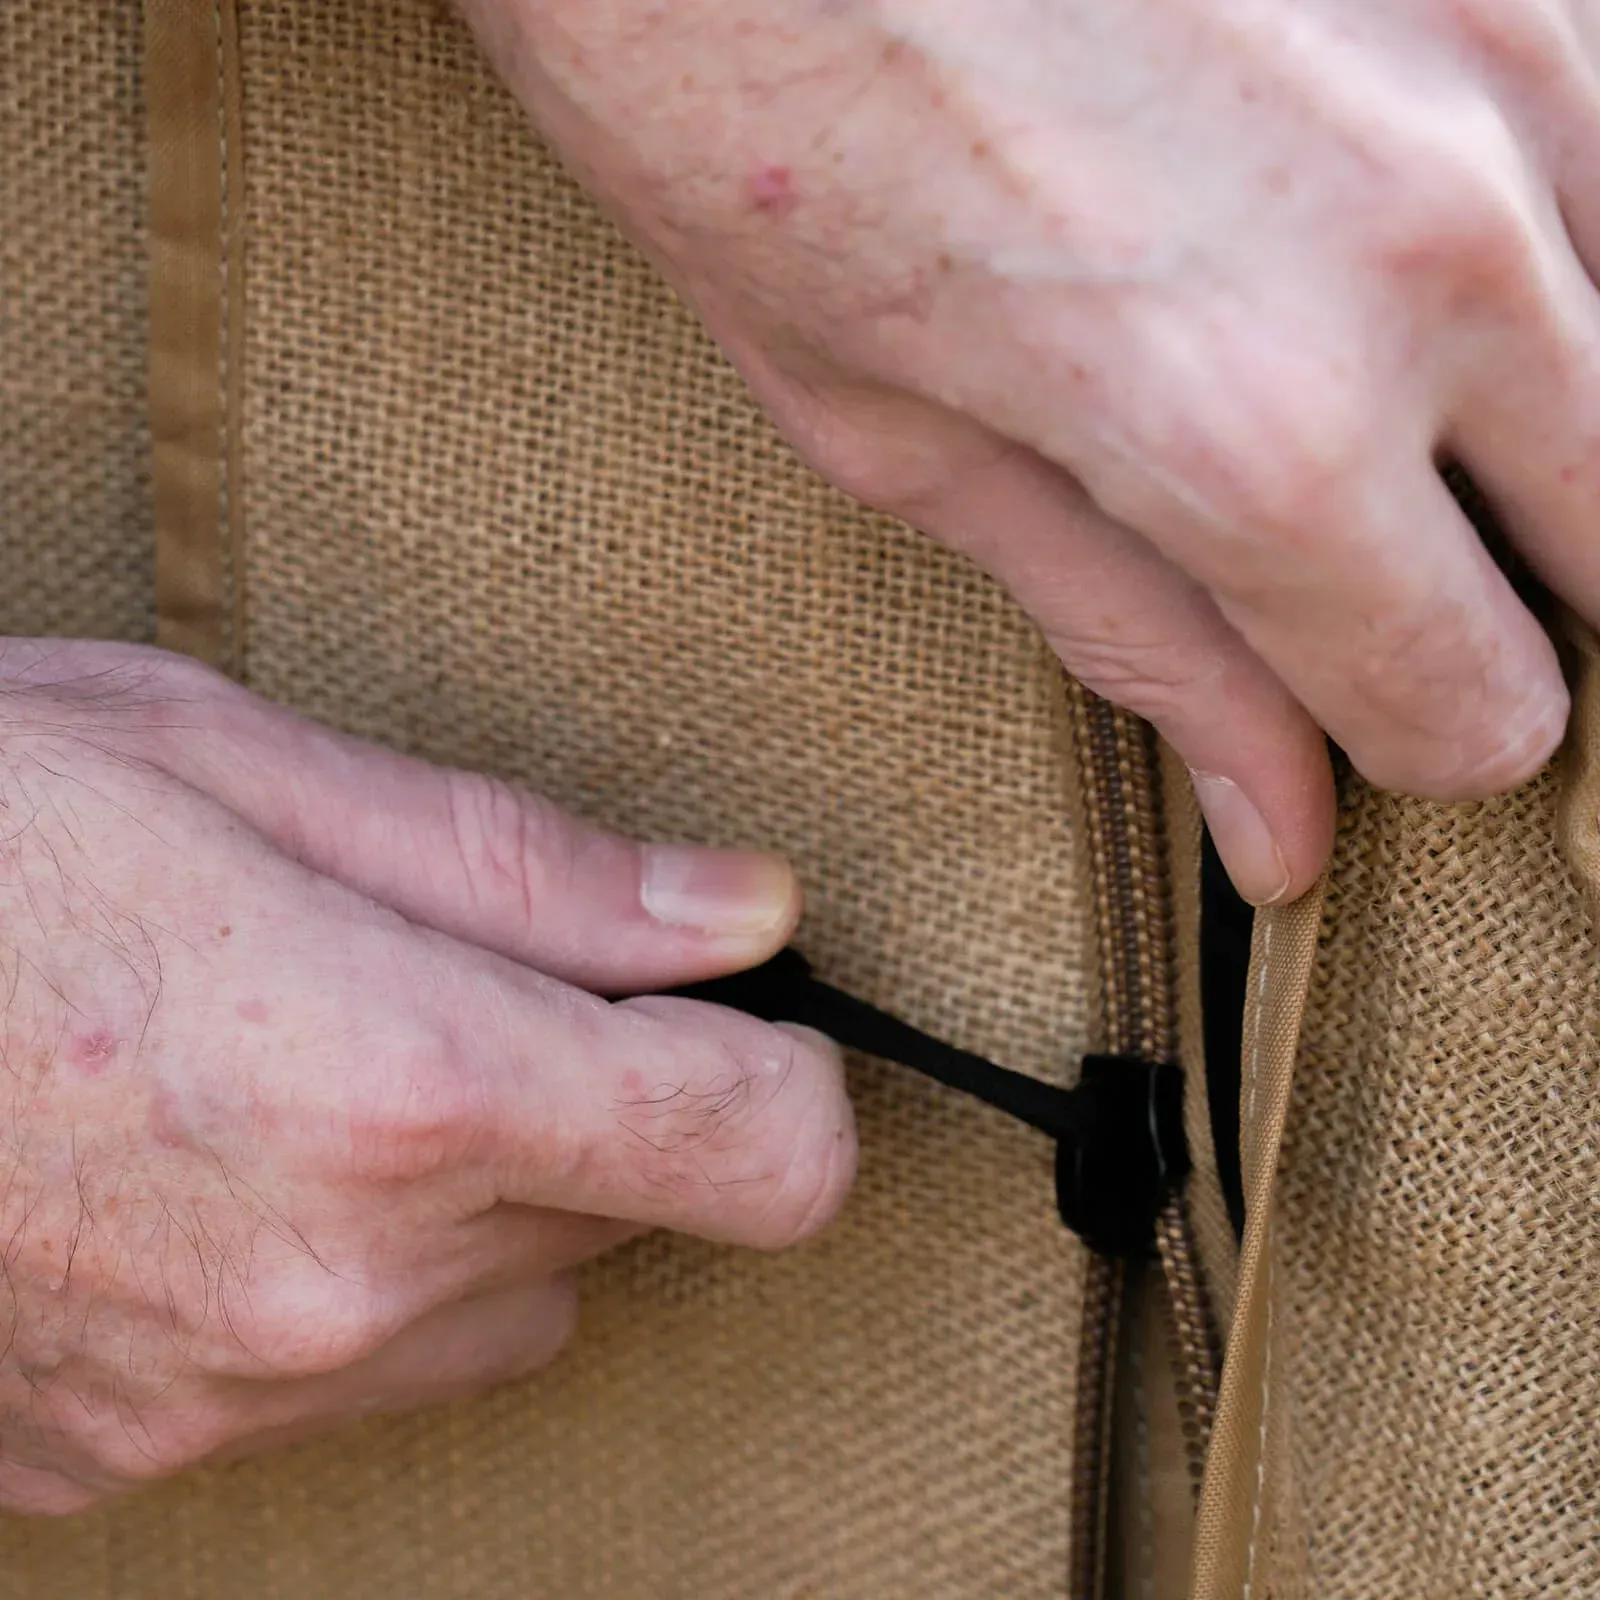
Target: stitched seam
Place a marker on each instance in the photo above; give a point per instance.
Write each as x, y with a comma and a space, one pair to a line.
224, 421
231, 529
1266, 1246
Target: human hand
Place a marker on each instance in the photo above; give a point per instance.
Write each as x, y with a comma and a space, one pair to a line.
303, 1111
1164, 313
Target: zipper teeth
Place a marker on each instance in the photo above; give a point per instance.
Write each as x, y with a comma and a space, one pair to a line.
1103, 1287
1136, 917
1118, 760
1195, 1333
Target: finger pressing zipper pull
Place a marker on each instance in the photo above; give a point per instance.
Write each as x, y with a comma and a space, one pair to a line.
1120, 1146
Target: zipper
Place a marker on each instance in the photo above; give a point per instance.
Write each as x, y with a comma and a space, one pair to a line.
1118, 1132
1126, 846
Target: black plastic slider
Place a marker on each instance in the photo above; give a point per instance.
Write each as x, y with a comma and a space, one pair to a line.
1120, 1147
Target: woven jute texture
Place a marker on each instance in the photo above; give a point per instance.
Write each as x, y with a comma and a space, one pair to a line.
1438, 1258
505, 507
75, 529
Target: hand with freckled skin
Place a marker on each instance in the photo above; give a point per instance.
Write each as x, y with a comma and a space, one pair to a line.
305, 1109
1166, 313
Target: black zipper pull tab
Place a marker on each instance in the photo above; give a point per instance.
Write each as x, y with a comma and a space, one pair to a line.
1120, 1146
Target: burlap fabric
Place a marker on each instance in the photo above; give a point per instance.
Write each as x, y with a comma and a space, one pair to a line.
1419, 1407
503, 506
75, 517
1439, 1247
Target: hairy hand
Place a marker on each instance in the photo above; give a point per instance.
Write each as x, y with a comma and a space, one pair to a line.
1165, 313
304, 1110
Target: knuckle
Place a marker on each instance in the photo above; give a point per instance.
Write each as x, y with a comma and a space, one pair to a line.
76, 685
749, 1135
313, 1334
1153, 679
877, 449
1257, 465
421, 1116
1466, 221
814, 1150
1526, 36
142, 1445
182, 677
861, 467
1288, 469
510, 844
1410, 678
186, 1440
1452, 723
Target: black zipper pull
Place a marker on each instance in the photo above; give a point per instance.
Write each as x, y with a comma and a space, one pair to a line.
1120, 1146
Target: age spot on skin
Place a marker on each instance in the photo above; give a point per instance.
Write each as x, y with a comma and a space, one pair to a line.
772, 191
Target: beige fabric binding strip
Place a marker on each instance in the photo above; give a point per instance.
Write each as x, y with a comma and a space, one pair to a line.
1577, 813
196, 307
1245, 1471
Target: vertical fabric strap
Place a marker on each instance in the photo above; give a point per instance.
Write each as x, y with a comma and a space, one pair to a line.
1246, 1470
192, 90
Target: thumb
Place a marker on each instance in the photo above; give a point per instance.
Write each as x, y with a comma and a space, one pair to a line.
485, 861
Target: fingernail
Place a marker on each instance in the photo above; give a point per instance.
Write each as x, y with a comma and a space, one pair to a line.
1243, 840
724, 892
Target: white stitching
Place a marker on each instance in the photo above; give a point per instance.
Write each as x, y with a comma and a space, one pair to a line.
1266, 1246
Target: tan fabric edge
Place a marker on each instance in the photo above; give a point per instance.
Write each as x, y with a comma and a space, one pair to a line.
192, 96
1236, 1503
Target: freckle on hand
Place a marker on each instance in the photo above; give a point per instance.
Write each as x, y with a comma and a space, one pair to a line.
253, 1011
